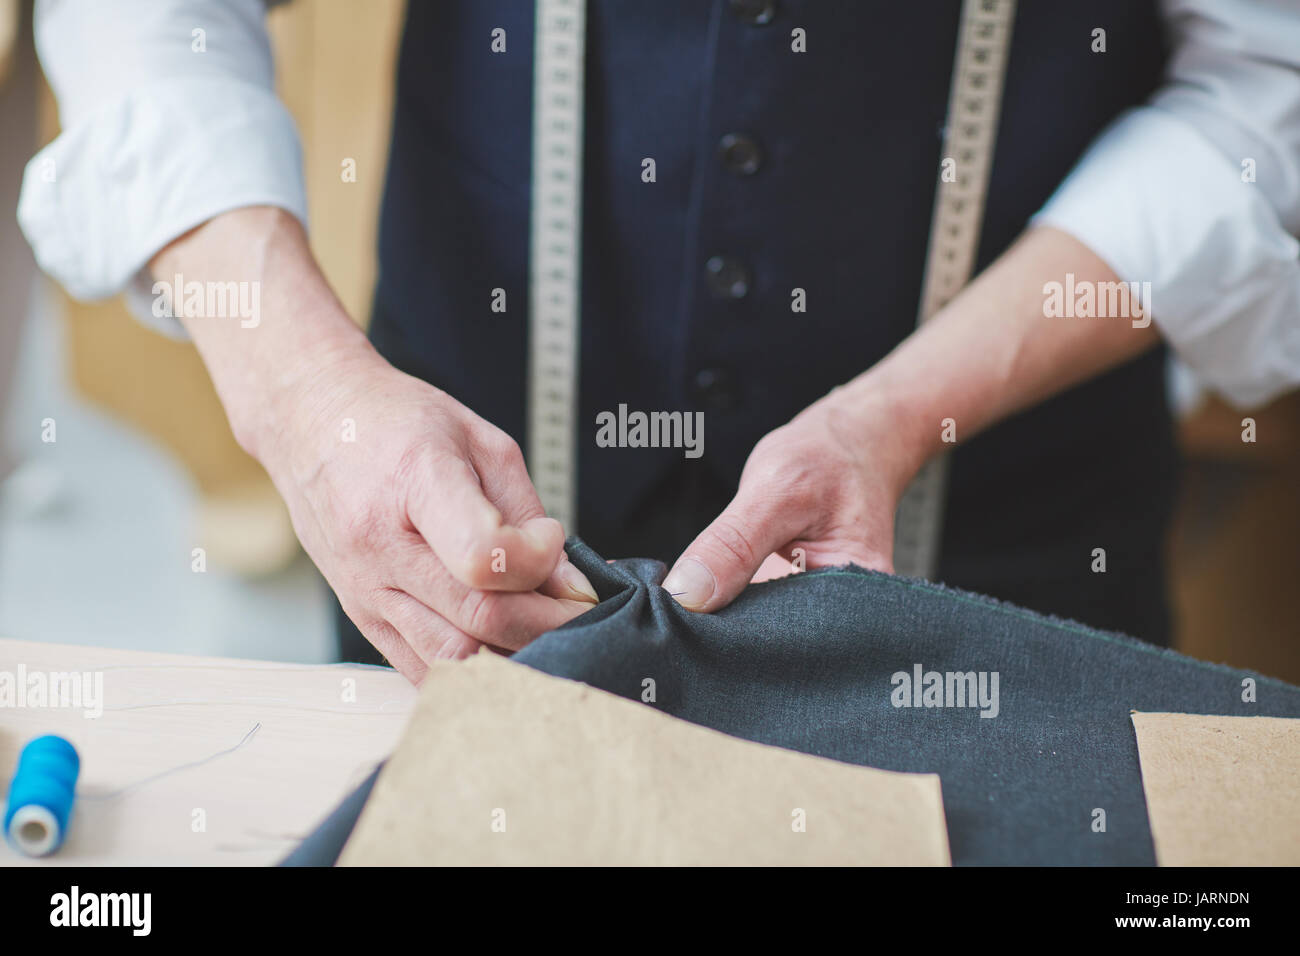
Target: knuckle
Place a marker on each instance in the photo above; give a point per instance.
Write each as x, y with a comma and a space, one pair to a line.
441, 466
503, 450
733, 539
419, 468
409, 465
456, 647
412, 476
470, 564
365, 528
511, 454
791, 471
479, 613
789, 481
381, 635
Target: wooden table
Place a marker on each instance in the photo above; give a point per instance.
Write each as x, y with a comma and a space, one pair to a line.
173, 771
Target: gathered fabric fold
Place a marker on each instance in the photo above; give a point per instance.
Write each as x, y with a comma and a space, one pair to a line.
1025, 718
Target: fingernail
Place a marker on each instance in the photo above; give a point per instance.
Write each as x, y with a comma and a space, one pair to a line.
691, 584
578, 584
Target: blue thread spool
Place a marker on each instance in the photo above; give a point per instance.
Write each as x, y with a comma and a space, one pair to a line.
40, 795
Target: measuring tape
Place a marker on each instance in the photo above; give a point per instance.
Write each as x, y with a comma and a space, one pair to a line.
983, 40
555, 266
555, 263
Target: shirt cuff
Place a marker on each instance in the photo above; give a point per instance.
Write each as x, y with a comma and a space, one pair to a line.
1161, 205
102, 199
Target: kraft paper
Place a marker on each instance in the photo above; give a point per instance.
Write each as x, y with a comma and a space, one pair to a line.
1221, 791
502, 764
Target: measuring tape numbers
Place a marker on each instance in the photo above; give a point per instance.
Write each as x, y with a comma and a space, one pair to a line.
983, 40
555, 261
555, 265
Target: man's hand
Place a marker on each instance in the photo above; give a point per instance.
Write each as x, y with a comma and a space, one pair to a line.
425, 524
419, 513
829, 482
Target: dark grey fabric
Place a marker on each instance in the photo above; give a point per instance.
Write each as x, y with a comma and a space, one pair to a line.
323, 846
806, 663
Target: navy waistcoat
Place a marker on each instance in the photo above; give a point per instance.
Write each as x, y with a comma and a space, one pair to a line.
774, 170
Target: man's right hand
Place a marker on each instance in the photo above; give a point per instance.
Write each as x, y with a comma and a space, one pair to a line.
420, 514
422, 518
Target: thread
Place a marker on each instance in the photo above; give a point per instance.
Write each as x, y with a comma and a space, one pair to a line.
41, 795
167, 773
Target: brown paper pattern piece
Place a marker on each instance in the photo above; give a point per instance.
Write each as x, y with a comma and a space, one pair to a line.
502, 764
1221, 791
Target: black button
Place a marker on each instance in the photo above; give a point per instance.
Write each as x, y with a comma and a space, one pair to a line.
716, 388
740, 154
757, 12
728, 277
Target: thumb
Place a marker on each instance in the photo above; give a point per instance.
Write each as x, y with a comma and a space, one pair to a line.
725, 556
446, 504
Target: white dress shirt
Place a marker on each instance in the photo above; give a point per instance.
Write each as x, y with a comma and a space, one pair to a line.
158, 138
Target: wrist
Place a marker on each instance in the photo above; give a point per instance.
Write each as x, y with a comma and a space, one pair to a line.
884, 426
289, 396
268, 370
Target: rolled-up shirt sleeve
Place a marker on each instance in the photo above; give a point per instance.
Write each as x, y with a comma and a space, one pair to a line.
1198, 193
169, 117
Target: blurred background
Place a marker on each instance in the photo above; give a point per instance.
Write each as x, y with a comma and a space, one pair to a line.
98, 528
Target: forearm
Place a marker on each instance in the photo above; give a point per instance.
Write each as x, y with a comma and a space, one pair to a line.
399, 522
301, 331
992, 351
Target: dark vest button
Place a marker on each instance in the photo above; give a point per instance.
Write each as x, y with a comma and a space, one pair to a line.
716, 388
757, 12
728, 277
740, 154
